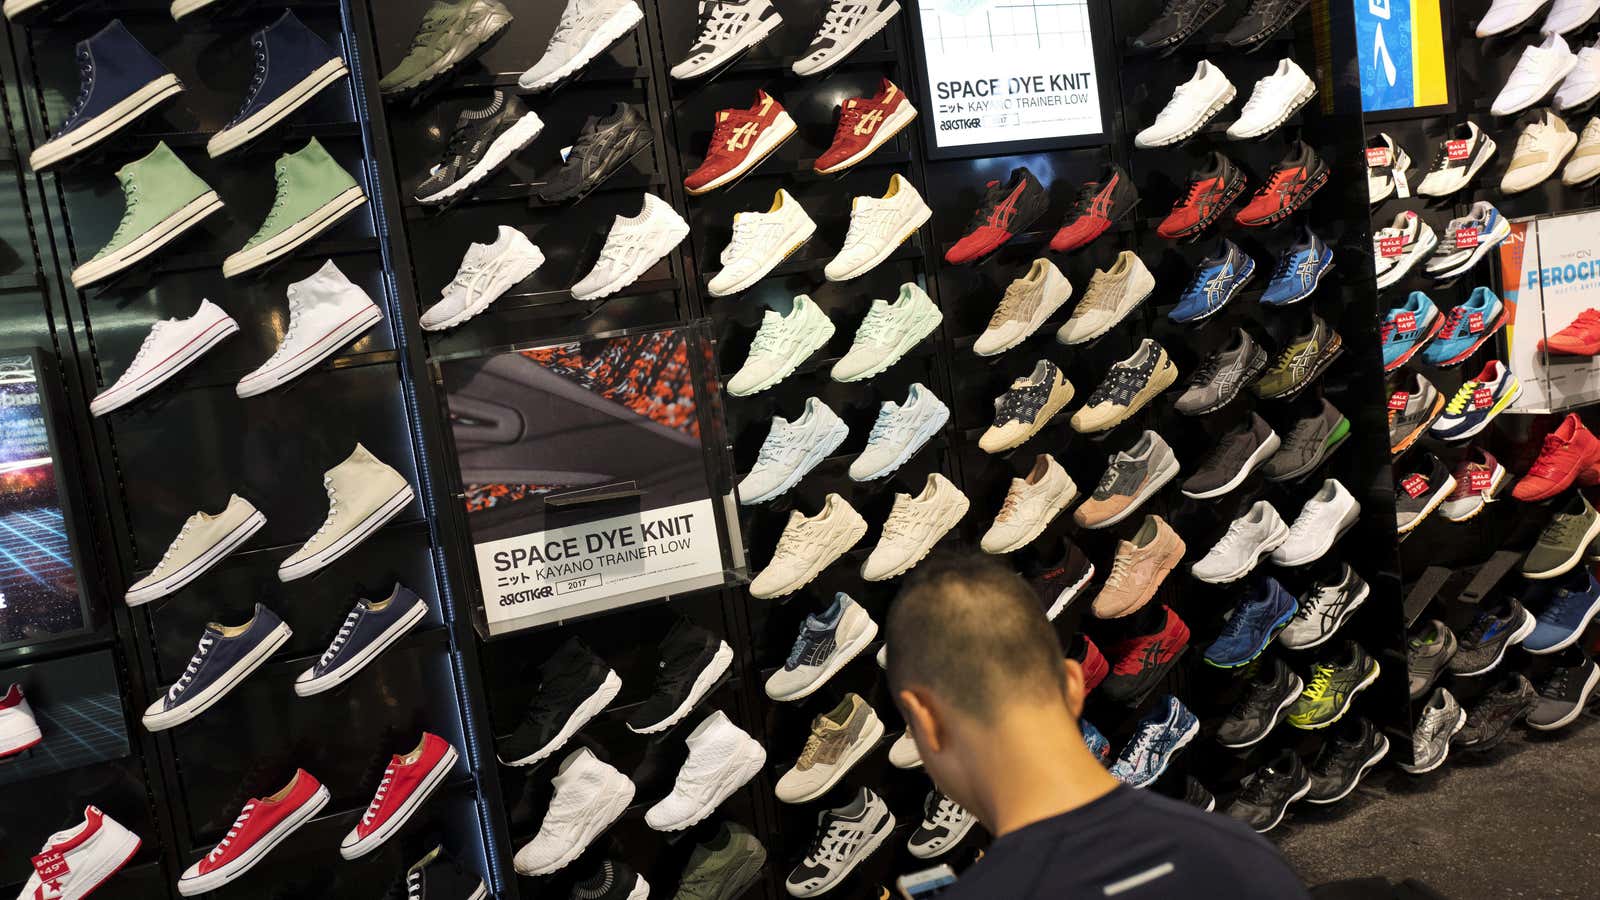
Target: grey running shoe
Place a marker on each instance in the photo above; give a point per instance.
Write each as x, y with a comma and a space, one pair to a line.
603, 147
1342, 761
1132, 476
1484, 644
586, 29
1412, 408
1419, 491
1564, 694
1324, 608
1496, 711
1430, 742
1273, 689
1309, 444
452, 32
1562, 543
1236, 454
1429, 655
723, 867
1223, 376
1265, 795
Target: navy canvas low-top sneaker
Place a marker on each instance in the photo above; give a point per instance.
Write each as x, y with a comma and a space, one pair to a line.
119, 81
1217, 280
292, 66
1300, 269
369, 628
1570, 604
225, 656
1262, 612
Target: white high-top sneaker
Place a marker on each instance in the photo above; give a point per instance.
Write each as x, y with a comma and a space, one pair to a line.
727, 28
586, 29
781, 344
1030, 505
589, 796
807, 546
914, 525
171, 345
201, 543
722, 759
633, 246
76, 861
363, 493
878, 225
791, 450
326, 311
19, 730
761, 240
487, 272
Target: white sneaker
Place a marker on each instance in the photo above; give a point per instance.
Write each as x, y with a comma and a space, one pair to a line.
899, 432
1326, 516
722, 759
1459, 158
89, 854
760, 241
878, 225
791, 450
1507, 15
839, 739
727, 28
1193, 104
887, 333
1397, 248
363, 493
807, 546
903, 752
201, 543
1027, 303
589, 796
1249, 538
1030, 505
19, 730
914, 525
827, 642
1274, 99
1540, 69
1541, 149
781, 344
1112, 294
487, 272
326, 311
586, 29
1585, 163
845, 26
845, 836
633, 246
1387, 163
170, 345
1582, 84
944, 825
1569, 15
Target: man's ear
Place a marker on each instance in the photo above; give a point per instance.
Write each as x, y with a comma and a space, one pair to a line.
1072, 686
923, 720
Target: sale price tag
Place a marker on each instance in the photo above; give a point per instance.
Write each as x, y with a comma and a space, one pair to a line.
1467, 238
50, 865
1483, 398
1479, 480
1456, 150
1406, 321
1398, 399
1378, 157
1475, 322
1414, 486
1391, 245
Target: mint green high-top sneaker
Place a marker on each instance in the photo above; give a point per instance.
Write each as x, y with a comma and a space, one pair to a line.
452, 32
314, 192
161, 199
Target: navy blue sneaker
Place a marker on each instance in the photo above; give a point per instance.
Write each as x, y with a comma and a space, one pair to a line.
1158, 737
1262, 612
1299, 271
1217, 280
1570, 604
1095, 741
226, 655
119, 81
293, 65
369, 628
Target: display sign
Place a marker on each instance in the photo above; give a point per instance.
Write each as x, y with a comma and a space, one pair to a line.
1550, 270
1400, 44
1003, 76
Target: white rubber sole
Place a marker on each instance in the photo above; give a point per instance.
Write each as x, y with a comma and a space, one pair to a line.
1294, 798
1259, 456
200, 884
355, 849
1486, 148
841, 657
817, 339
925, 432
1301, 98
929, 322
18, 733
522, 133
1494, 239
904, 114
915, 223
1057, 505
357, 533
684, 72
794, 240
278, 110
1426, 241
145, 244
1069, 594
952, 517
1262, 551
284, 242
1504, 403
613, 29
1349, 701
869, 847
196, 704
108, 861
199, 565
122, 114
1523, 630
1346, 522
836, 55
521, 269
1438, 498
1572, 561
397, 629
1149, 285
592, 706
1495, 482
616, 800
1035, 322
1577, 709
703, 683
1374, 759
1569, 640
1548, 169
868, 740
949, 843
819, 450
843, 541
1349, 610
767, 143
666, 241
640, 889
124, 392
265, 379
1192, 128
1461, 722
1277, 715
181, 8
1151, 487
730, 779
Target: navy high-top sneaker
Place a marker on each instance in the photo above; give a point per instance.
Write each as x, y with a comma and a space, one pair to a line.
292, 65
119, 82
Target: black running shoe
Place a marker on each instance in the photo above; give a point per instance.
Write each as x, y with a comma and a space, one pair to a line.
1496, 711
1344, 759
1261, 21
1564, 694
1266, 795
1057, 585
574, 686
437, 876
603, 147
1177, 23
1274, 689
693, 661
1196, 795
483, 141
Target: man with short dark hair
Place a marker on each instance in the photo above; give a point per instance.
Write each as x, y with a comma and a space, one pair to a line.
993, 705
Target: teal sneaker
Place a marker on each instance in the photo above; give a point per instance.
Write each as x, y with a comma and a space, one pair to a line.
162, 198
452, 32
314, 192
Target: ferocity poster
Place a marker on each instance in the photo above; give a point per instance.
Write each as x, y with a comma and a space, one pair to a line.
1550, 270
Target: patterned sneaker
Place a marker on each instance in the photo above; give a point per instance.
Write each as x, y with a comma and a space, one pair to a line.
845, 26
1494, 631
1031, 402
1166, 729
482, 141
1008, 209
1495, 711
1477, 402
846, 836
1224, 375
1430, 742
828, 641
1466, 329
1131, 383
727, 29
944, 825
1413, 407
1300, 362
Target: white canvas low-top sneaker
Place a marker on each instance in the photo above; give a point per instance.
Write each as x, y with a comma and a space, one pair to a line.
1193, 104
761, 240
170, 345
633, 246
487, 272
878, 225
326, 312
201, 543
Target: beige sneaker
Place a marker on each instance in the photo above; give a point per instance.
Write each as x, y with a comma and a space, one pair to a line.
839, 739
1584, 164
1027, 303
809, 545
1020, 412
1031, 504
1129, 385
201, 543
363, 493
903, 752
1112, 294
1132, 476
1541, 148
914, 525
1139, 568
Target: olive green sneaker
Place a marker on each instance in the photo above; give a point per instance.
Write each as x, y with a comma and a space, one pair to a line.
723, 867
1562, 543
1332, 687
161, 199
1301, 362
314, 192
452, 32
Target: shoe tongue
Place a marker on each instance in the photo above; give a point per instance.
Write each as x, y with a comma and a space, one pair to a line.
770, 317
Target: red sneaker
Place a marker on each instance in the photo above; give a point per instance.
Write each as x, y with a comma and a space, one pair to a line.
406, 784
19, 730
741, 140
1211, 191
1292, 183
1143, 659
865, 124
1570, 453
1007, 211
262, 825
1095, 667
1101, 204
1580, 338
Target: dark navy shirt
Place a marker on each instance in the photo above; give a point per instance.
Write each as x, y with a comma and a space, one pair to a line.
1130, 845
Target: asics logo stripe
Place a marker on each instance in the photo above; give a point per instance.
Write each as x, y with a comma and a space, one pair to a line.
869, 122
743, 135
1006, 210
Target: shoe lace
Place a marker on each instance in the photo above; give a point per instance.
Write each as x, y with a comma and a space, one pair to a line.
831, 843
768, 339
742, 243
804, 647
342, 637
1257, 790
877, 327
836, 22
296, 314
1387, 330
776, 448
258, 77
1462, 397
188, 523
333, 508
1108, 478
1121, 566
182, 684
1007, 310
1453, 320
1322, 596
130, 206
1086, 197
1555, 687
808, 755
717, 16
414, 885
1321, 679
1545, 466
85, 81
1258, 695
233, 831
1208, 370
991, 198
1121, 379
433, 21
941, 810
1480, 626
280, 177
888, 425
1010, 506
1564, 529
377, 797
898, 525
1242, 622
1011, 407
1232, 537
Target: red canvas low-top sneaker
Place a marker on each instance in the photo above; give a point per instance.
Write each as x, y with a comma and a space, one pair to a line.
1581, 337
76, 861
1212, 189
1007, 210
741, 140
1101, 204
865, 124
406, 784
263, 824
1296, 178
18, 728
1570, 454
